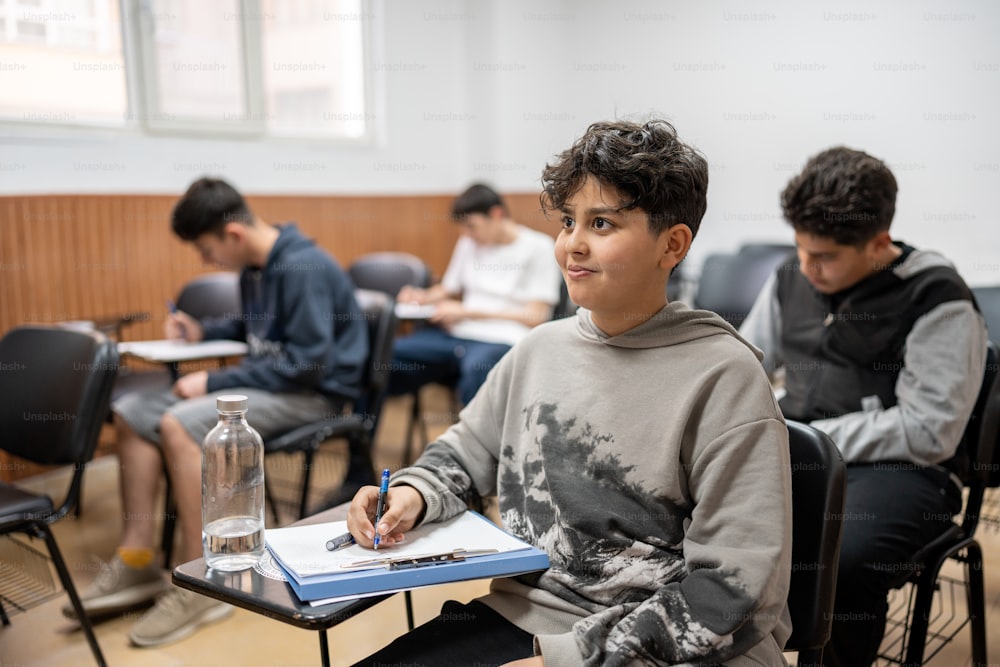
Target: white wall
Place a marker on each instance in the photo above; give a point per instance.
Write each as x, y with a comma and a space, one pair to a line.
473, 89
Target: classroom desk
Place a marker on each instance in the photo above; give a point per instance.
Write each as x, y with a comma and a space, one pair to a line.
173, 352
253, 591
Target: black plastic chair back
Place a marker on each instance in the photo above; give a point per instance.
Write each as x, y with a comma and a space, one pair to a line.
389, 272
818, 485
211, 295
981, 440
54, 393
729, 284
378, 309
358, 427
988, 299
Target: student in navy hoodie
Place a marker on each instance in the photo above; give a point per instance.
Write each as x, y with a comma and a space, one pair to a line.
308, 345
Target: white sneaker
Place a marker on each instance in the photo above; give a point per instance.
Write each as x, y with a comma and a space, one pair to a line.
119, 587
176, 614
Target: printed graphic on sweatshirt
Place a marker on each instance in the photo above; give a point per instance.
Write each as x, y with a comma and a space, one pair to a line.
611, 540
568, 492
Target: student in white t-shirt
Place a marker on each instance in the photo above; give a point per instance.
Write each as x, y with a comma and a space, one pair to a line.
502, 280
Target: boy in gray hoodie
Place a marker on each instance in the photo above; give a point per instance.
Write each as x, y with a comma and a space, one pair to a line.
638, 444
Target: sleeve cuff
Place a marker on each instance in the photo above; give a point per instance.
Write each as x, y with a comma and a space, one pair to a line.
431, 501
558, 650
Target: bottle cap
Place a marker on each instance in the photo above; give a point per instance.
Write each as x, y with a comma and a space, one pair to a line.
231, 403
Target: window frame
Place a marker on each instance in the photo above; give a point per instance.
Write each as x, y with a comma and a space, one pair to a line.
145, 118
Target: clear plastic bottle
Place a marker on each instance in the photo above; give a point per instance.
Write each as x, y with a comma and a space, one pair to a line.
232, 489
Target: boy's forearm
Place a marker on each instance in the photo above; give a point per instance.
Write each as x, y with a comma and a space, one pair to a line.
531, 315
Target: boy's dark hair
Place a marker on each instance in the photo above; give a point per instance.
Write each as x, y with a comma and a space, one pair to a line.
842, 194
646, 162
477, 198
207, 206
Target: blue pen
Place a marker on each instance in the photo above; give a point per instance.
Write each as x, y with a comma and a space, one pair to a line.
382, 491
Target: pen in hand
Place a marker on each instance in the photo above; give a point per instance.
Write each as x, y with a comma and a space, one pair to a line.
172, 307
340, 542
380, 508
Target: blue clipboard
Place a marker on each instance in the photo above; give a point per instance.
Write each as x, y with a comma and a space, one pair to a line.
406, 573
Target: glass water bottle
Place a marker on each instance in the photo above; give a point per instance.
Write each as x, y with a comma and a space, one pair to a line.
232, 489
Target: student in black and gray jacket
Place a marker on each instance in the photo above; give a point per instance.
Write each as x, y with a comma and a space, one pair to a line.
883, 349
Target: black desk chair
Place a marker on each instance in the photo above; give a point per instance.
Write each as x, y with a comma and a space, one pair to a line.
358, 426
907, 639
818, 484
208, 295
729, 284
54, 394
988, 299
389, 272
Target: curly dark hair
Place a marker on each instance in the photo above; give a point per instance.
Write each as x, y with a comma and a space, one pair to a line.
646, 162
207, 206
842, 194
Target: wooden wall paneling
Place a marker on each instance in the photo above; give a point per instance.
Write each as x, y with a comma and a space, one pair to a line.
12, 261
38, 301
68, 257
89, 256
91, 267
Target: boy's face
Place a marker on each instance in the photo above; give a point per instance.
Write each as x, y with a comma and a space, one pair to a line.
225, 251
482, 228
831, 267
612, 265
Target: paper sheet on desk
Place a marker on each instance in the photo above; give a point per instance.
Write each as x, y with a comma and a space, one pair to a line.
302, 549
170, 350
414, 311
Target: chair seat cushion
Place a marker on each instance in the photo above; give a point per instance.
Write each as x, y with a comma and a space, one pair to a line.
16, 505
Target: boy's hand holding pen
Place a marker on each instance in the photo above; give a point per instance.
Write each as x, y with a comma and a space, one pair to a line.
400, 509
181, 326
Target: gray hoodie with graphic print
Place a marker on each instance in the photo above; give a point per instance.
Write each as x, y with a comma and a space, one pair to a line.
653, 469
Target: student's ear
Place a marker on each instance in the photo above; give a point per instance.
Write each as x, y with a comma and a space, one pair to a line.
235, 231
880, 242
676, 243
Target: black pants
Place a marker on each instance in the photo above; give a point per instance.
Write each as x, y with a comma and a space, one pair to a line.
463, 635
891, 511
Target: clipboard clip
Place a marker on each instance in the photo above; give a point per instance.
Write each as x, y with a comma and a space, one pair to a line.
422, 561
406, 563
455, 556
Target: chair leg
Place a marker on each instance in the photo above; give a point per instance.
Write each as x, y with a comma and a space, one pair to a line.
920, 617
416, 424
70, 588
271, 502
977, 603
4, 619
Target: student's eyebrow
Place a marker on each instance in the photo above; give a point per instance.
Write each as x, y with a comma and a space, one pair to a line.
600, 210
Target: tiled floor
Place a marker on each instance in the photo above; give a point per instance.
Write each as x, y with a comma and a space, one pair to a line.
42, 637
